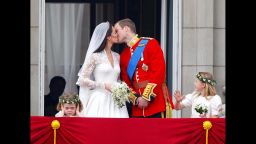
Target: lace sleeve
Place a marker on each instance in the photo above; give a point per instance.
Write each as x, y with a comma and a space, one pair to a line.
86, 73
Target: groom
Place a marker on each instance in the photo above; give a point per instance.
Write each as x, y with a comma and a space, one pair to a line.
143, 69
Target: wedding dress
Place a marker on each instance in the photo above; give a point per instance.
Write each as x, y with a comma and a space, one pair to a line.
97, 101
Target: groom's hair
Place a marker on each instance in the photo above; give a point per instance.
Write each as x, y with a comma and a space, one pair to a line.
127, 22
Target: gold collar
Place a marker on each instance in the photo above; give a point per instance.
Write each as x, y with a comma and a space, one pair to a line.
133, 41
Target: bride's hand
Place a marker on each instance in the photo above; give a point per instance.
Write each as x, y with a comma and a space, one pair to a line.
108, 86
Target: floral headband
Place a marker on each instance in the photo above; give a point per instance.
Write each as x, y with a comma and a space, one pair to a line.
204, 80
74, 100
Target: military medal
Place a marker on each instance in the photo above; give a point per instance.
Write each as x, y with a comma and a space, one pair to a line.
144, 67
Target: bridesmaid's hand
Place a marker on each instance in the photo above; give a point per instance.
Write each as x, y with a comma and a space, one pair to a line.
178, 96
78, 111
62, 107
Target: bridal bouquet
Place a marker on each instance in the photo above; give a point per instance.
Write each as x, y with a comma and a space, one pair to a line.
120, 94
202, 109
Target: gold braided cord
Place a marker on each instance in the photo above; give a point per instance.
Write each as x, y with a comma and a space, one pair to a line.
55, 125
207, 126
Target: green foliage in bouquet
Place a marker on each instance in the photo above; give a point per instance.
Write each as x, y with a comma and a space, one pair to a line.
202, 109
120, 94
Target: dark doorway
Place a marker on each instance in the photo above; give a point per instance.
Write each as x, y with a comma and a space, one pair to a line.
145, 13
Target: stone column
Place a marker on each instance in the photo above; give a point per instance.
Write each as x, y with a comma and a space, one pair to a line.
34, 65
219, 48
197, 43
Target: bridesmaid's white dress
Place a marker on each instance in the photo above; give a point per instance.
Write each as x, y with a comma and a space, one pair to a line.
97, 101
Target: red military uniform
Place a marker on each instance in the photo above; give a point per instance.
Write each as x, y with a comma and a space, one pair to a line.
148, 77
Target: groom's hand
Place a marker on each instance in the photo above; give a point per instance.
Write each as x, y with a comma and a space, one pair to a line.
142, 103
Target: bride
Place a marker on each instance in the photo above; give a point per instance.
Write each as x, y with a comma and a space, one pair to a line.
99, 73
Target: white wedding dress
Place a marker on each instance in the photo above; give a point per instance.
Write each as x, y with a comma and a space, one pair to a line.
97, 101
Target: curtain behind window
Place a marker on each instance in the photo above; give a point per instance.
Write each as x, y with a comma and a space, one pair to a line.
64, 26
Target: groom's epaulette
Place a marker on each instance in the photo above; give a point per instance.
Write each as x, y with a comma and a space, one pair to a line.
149, 38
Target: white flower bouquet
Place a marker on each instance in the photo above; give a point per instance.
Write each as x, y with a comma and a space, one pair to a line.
120, 94
202, 109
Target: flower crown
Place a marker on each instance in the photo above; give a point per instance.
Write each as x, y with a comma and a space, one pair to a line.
73, 100
204, 80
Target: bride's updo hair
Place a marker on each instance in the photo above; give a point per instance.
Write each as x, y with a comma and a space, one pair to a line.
103, 44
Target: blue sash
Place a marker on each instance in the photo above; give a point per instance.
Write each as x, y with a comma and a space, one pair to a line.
136, 57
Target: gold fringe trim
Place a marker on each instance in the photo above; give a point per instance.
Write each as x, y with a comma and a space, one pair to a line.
168, 110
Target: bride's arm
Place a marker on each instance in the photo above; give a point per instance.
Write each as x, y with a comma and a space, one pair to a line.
86, 72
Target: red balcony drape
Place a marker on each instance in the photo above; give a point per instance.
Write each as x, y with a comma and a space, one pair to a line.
75, 130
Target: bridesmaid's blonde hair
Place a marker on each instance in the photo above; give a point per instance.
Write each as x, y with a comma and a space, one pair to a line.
210, 83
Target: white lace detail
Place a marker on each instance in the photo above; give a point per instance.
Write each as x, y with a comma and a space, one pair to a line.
97, 38
97, 71
99, 102
86, 73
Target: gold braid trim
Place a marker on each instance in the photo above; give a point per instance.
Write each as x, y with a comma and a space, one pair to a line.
148, 93
132, 97
168, 109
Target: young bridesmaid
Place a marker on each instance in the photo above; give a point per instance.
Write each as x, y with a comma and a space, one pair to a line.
203, 100
69, 105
